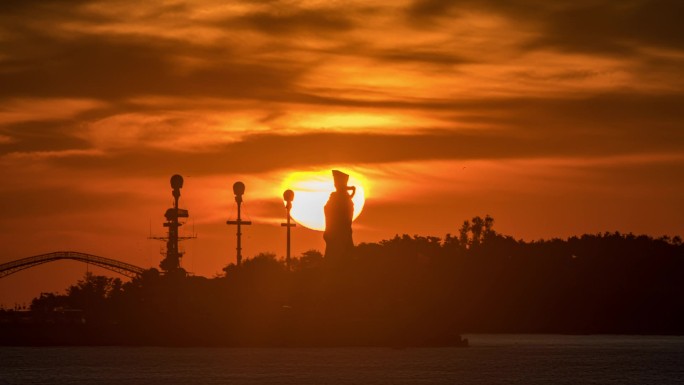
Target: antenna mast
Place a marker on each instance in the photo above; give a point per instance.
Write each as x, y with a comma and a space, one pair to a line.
172, 256
239, 191
288, 197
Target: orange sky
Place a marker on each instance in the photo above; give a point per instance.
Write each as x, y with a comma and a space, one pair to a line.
556, 118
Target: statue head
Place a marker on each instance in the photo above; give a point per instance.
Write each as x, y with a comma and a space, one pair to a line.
341, 180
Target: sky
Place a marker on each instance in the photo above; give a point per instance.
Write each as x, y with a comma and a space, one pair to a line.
556, 118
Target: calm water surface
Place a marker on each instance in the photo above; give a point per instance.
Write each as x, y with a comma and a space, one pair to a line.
492, 359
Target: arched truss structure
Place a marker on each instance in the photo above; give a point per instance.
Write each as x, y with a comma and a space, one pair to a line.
122, 268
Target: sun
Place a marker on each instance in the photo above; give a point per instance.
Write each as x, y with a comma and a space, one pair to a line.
312, 190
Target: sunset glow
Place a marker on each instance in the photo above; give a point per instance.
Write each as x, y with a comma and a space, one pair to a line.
312, 190
555, 118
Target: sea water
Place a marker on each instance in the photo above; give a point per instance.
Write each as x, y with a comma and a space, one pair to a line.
491, 359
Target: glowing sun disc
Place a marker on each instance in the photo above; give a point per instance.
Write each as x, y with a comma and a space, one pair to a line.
312, 190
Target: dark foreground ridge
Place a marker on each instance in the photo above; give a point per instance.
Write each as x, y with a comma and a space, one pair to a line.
406, 291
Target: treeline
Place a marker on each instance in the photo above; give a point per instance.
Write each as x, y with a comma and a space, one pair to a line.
408, 290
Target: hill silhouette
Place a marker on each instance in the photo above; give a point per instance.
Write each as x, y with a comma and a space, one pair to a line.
404, 291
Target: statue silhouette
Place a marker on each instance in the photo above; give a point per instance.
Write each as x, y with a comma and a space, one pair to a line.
339, 211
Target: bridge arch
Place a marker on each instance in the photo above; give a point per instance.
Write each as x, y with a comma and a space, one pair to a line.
122, 268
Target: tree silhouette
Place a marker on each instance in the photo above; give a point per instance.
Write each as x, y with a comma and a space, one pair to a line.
406, 290
463, 234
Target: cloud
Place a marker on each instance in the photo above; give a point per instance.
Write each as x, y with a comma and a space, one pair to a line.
114, 68
33, 109
30, 137
154, 142
602, 27
268, 152
267, 86
590, 26
286, 20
